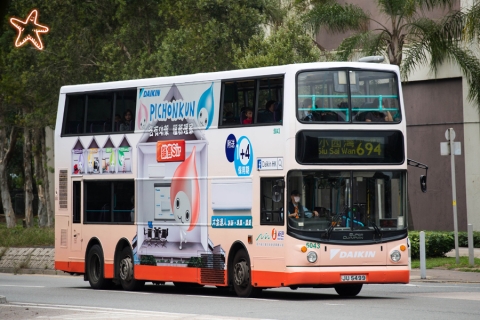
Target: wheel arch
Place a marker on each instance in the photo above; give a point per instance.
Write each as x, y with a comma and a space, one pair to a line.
236, 246
93, 241
121, 244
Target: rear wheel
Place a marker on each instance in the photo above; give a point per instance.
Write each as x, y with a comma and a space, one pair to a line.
95, 269
242, 279
125, 268
348, 290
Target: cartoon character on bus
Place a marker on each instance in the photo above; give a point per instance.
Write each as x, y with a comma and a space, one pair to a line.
142, 117
185, 196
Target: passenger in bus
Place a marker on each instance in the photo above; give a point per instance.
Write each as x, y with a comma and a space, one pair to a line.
268, 115
248, 116
378, 116
309, 114
296, 209
127, 124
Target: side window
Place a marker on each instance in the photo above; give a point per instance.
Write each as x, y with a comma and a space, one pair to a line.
77, 201
252, 101
100, 112
272, 201
75, 114
125, 103
109, 201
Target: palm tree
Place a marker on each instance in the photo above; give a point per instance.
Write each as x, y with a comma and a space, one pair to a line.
408, 38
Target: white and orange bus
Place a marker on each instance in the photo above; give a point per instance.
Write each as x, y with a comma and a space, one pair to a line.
169, 179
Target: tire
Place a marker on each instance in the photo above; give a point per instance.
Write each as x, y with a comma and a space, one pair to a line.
241, 276
125, 269
348, 290
95, 269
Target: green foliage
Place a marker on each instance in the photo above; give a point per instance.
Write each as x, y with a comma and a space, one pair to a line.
436, 244
463, 239
410, 38
148, 260
449, 263
26, 237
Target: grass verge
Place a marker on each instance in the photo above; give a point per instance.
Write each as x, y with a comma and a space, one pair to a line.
449, 263
26, 237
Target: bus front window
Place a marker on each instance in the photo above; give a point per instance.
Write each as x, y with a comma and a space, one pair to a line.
348, 95
347, 200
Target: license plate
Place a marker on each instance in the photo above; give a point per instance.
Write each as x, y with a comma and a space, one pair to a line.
357, 277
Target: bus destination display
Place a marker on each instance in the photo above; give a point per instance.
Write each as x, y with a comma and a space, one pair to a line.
351, 147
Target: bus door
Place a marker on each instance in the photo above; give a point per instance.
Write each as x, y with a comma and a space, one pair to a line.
76, 225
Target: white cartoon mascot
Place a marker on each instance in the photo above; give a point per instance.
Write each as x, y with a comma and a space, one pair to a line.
185, 196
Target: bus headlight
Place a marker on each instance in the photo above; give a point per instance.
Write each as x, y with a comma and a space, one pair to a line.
311, 257
395, 255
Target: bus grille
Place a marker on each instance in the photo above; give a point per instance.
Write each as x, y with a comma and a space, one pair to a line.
212, 269
63, 238
63, 189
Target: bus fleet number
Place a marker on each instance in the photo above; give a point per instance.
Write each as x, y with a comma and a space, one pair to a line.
313, 245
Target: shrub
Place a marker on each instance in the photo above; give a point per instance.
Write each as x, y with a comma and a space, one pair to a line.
436, 243
463, 239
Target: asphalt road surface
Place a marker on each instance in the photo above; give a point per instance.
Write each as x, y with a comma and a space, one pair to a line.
69, 297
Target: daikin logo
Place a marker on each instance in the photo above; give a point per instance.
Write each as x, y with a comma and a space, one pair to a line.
151, 93
351, 254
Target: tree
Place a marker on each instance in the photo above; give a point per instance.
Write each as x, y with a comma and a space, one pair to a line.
409, 39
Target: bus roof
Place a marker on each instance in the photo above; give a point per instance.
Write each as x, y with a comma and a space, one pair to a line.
211, 76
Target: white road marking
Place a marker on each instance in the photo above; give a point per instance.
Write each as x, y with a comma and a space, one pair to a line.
115, 291
17, 286
82, 312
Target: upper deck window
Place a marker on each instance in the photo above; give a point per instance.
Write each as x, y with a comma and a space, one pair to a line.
252, 101
100, 112
348, 95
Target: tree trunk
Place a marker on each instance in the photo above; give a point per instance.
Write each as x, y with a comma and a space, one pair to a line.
27, 169
6, 150
39, 176
48, 203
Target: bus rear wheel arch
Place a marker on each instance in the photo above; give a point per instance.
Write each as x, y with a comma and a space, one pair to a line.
95, 268
242, 275
126, 268
348, 290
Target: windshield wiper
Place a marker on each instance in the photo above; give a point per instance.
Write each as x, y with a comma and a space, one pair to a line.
332, 225
377, 230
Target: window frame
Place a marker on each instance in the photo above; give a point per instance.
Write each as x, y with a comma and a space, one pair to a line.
350, 114
117, 106
280, 92
264, 212
111, 202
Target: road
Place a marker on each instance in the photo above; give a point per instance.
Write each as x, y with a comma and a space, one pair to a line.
69, 297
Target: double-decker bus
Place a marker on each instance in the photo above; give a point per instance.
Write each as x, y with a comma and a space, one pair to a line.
285, 176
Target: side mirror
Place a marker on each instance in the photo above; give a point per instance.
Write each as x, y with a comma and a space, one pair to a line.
423, 183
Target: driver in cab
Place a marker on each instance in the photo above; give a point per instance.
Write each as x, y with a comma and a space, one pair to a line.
296, 209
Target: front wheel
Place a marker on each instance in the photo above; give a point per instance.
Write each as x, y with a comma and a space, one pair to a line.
95, 269
125, 268
348, 290
242, 279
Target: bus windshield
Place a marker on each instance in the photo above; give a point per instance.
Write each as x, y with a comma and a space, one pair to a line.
363, 96
347, 200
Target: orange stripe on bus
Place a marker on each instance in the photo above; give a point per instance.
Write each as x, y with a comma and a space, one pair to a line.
77, 267
279, 279
165, 273
108, 271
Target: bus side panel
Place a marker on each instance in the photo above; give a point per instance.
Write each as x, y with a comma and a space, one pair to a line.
166, 273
